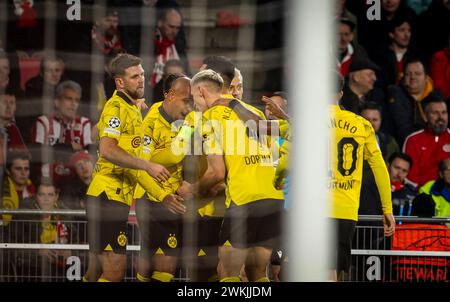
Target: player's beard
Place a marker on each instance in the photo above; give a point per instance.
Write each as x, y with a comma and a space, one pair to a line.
138, 93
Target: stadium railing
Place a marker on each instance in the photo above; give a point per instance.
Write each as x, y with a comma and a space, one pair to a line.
22, 251
418, 252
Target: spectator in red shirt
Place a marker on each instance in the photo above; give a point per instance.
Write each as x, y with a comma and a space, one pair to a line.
7, 112
347, 48
105, 33
64, 126
168, 26
406, 102
429, 146
440, 70
61, 133
392, 58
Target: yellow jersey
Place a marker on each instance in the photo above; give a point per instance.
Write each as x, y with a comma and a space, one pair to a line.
352, 140
164, 137
122, 121
247, 106
282, 167
10, 198
249, 164
285, 129
159, 132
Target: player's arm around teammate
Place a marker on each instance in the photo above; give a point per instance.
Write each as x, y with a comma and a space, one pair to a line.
110, 150
110, 192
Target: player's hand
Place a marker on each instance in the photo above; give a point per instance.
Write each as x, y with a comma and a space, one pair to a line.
274, 108
157, 171
174, 204
217, 189
141, 104
186, 190
389, 225
281, 186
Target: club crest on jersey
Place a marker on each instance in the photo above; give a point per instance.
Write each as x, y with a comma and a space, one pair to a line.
147, 140
122, 239
114, 122
172, 241
136, 142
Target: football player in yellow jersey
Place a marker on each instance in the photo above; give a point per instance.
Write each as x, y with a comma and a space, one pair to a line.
275, 110
118, 169
252, 219
232, 92
352, 139
160, 222
279, 98
237, 84
211, 206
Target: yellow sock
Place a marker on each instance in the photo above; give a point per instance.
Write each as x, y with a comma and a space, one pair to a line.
231, 279
162, 276
213, 278
102, 280
84, 279
142, 278
263, 279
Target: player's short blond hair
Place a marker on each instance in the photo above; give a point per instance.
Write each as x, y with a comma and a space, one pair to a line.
212, 79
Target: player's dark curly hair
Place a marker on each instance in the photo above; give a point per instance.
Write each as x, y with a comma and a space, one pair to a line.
168, 82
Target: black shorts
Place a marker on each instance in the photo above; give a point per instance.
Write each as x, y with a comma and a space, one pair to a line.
278, 253
257, 223
277, 257
107, 224
208, 235
160, 230
344, 231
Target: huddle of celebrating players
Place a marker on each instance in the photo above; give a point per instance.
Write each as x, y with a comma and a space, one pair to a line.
201, 167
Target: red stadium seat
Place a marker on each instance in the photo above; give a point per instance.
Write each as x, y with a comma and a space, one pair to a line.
28, 68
